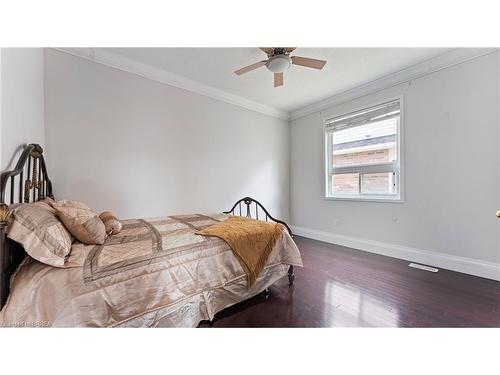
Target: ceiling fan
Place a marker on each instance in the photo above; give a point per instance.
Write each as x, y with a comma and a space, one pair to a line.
279, 60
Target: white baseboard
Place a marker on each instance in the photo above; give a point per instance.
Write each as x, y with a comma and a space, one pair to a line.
469, 266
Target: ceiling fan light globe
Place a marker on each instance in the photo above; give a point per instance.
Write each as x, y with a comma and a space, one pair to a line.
279, 63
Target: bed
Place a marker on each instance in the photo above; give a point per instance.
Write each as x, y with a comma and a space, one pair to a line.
156, 272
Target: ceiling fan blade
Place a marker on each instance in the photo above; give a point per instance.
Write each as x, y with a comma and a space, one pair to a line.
249, 68
268, 50
278, 79
308, 62
290, 49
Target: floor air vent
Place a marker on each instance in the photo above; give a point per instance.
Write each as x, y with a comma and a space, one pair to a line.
422, 267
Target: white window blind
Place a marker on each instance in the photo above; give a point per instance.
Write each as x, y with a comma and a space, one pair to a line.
374, 114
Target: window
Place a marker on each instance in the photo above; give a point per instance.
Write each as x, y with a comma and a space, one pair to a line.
363, 154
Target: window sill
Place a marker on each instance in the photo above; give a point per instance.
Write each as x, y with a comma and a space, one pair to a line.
379, 199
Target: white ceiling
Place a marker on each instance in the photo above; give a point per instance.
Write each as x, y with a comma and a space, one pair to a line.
346, 69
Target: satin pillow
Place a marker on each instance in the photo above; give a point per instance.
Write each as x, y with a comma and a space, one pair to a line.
111, 223
81, 222
43, 236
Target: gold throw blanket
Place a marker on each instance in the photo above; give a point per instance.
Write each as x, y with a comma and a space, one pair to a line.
251, 240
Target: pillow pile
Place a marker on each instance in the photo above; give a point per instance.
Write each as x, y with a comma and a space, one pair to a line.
46, 229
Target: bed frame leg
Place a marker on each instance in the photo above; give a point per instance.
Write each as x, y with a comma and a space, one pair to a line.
291, 276
265, 293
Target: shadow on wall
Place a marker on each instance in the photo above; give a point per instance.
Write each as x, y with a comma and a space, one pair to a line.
149, 194
14, 158
217, 188
92, 188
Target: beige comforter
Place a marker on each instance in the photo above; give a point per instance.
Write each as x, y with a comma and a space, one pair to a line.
156, 272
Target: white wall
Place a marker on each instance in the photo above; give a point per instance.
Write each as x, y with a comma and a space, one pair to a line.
22, 101
451, 135
141, 148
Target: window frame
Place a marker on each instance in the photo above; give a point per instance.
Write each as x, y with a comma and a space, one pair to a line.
366, 168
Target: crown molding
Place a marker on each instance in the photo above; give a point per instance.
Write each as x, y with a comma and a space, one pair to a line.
114, 60
445, 60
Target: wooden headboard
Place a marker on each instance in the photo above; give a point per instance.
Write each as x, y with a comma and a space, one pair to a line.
27, 182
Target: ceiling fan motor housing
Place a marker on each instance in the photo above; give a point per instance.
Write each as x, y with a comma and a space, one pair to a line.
279, 63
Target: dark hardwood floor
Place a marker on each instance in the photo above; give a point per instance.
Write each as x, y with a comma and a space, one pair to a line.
342, 287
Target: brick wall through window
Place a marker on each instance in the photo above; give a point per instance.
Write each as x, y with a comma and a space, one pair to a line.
371, 183
364, 157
